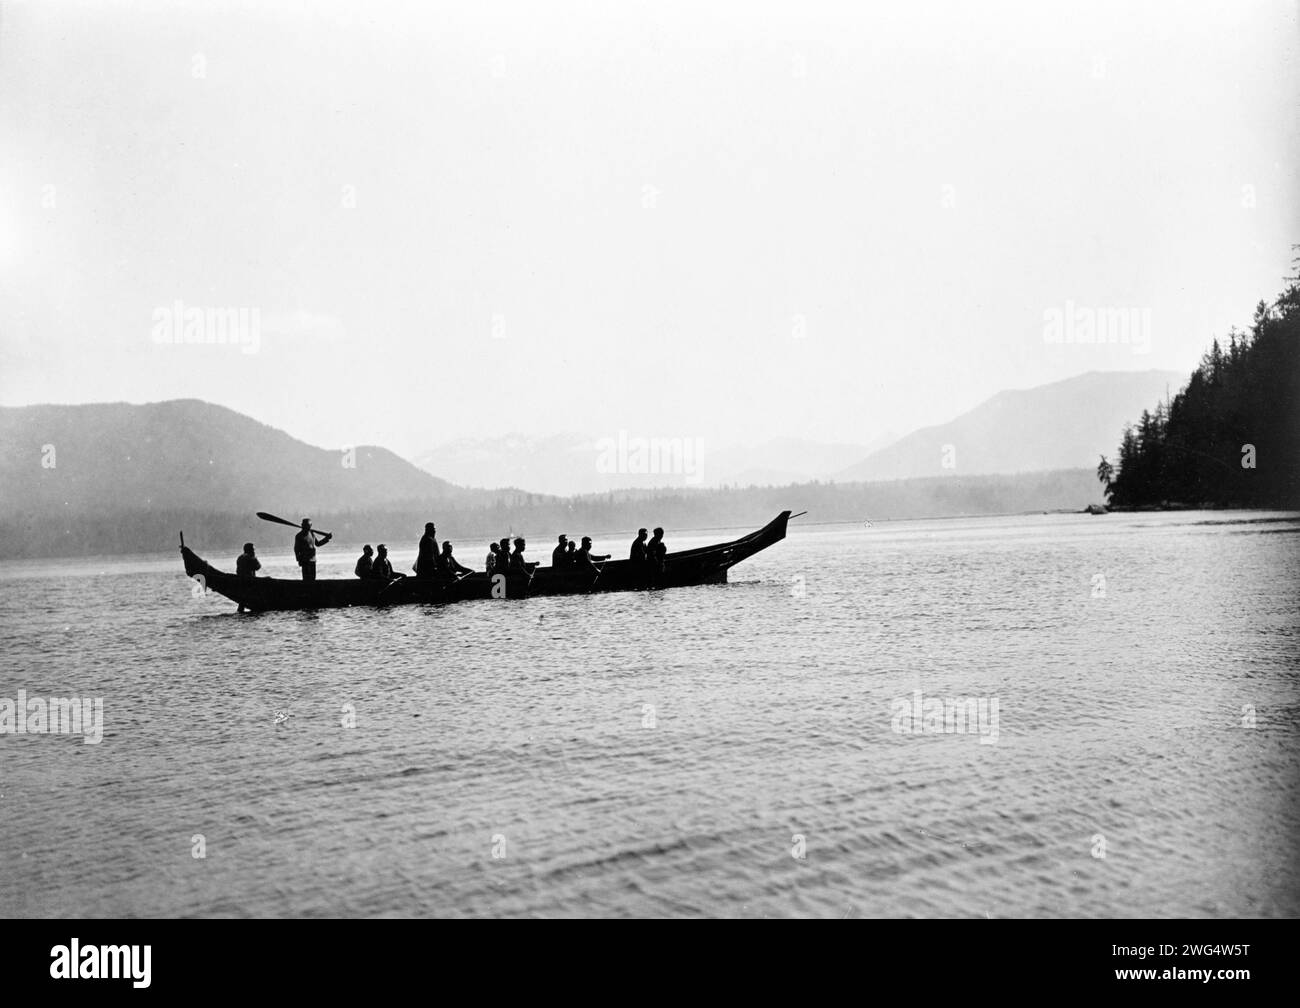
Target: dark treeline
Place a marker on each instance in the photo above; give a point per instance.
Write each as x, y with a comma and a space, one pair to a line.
541, 518
1231, 437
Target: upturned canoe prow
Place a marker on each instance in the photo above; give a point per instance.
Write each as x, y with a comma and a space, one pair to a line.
704, 565
194, 564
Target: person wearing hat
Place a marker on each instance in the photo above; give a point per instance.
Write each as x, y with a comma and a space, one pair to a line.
365, 562
427, 562
382, 568
304, 549
557, 555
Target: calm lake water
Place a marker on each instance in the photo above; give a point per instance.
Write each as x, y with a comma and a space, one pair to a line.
671, 753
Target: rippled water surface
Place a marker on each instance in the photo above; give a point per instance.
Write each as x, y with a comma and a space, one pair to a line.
670, 753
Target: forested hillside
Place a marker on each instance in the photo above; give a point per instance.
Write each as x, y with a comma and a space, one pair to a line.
1231, 437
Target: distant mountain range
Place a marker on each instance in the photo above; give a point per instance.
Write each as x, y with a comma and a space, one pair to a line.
185, 453
119, 478
1064, 425
190, 454
568, 464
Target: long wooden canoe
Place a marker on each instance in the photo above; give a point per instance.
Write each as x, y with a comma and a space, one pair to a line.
704, 565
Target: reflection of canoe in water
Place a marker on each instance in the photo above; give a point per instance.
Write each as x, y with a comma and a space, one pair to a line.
706, 565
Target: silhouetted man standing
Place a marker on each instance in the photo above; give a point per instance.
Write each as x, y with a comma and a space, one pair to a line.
426, 562
304, 549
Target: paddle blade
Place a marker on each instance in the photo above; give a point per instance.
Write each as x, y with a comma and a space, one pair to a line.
272, 518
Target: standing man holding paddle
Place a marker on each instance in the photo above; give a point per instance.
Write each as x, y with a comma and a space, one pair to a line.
304, 549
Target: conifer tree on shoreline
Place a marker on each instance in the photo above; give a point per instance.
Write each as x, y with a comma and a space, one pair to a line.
1231, 437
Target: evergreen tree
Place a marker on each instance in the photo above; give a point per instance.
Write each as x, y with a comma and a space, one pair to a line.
1231, 437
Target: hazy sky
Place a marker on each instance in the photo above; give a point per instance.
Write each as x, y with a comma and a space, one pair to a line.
729, 221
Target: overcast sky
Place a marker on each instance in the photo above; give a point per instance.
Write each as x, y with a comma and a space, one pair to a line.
729, 221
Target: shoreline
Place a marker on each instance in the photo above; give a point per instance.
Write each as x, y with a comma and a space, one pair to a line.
1284, 514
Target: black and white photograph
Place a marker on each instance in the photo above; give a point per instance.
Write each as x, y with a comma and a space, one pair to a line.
674, 460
